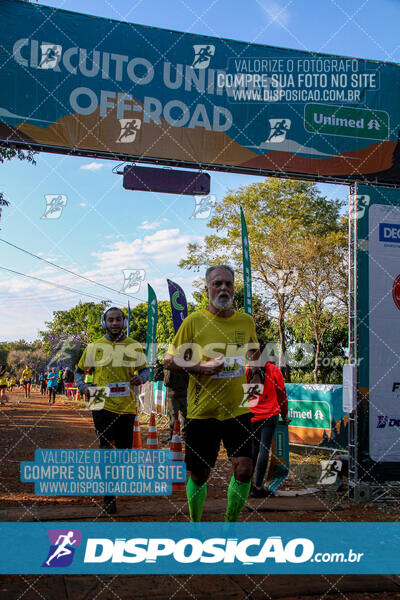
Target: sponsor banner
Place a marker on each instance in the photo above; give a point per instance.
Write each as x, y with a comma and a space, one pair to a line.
336, 120
173, 548
308, 413
317, 415
384, 276
102, 472
279, 464
248, 294
389, 232
178, 303
74, 82
151, 333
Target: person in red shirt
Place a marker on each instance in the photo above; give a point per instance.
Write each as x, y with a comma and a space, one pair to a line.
265, 409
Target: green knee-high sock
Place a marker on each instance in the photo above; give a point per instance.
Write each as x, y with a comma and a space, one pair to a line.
238, 493
196, 495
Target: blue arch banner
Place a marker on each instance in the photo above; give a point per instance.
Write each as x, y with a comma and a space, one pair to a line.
80, 84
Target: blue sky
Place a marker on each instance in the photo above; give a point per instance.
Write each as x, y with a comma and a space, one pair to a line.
103, 228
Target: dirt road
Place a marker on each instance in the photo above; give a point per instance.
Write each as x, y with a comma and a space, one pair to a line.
26, 425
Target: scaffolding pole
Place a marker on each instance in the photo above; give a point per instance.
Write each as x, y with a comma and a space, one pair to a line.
353, 476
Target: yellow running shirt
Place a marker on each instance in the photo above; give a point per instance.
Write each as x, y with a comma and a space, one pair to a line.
3, 378
26, 374
203, 336
114, 364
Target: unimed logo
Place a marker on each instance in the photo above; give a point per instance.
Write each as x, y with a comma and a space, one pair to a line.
389, 232
190, 550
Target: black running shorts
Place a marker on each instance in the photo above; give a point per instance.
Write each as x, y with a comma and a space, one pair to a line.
204, 437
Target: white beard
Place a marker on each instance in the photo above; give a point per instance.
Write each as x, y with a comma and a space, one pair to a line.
224, 302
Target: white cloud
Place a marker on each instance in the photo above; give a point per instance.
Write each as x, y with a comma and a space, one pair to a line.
93, 166
276, 13
149, 225
82, 204
160, 248
30, 303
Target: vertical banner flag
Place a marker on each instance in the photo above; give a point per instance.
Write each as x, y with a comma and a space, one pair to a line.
152, 314
279, 464
178, 303
248, 308
129, 319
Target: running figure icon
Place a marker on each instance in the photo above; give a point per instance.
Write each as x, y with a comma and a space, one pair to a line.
202, 55
50, 56
62, 550
279, 129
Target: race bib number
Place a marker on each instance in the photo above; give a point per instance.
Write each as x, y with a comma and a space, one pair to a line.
233, 367
115, 390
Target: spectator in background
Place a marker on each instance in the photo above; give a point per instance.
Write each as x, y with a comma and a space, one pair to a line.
52, 384
89, 376
60, 382
43, 383
27, 381
265, 409
158, 373
68, 379
177, 389
3, 383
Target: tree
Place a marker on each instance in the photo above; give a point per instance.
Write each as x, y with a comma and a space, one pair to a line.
7, 347
332, 345
82, 320
280, 214
9, 152
165, 325
35, 359
71, 330
319, 289
138, 323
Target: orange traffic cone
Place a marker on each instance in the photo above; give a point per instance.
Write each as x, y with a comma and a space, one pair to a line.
77, 395
152, 440
176, 449
137, 436
158, 397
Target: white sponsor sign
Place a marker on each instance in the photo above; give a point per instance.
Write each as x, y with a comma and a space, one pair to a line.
384, 339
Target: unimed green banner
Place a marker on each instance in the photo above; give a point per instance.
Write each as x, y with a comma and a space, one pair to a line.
93, 86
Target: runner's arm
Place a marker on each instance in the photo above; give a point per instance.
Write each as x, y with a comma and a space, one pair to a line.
144, 374
183, 354
255, 371
80, 380
210, 367
139, 378
281, 395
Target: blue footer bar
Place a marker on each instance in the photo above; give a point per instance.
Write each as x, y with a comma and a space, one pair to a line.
212, 548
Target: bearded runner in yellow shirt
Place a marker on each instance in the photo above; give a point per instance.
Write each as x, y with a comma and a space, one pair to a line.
119, 364
212, 346
27, 380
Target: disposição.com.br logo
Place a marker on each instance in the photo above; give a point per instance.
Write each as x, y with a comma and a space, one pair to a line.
63, 543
